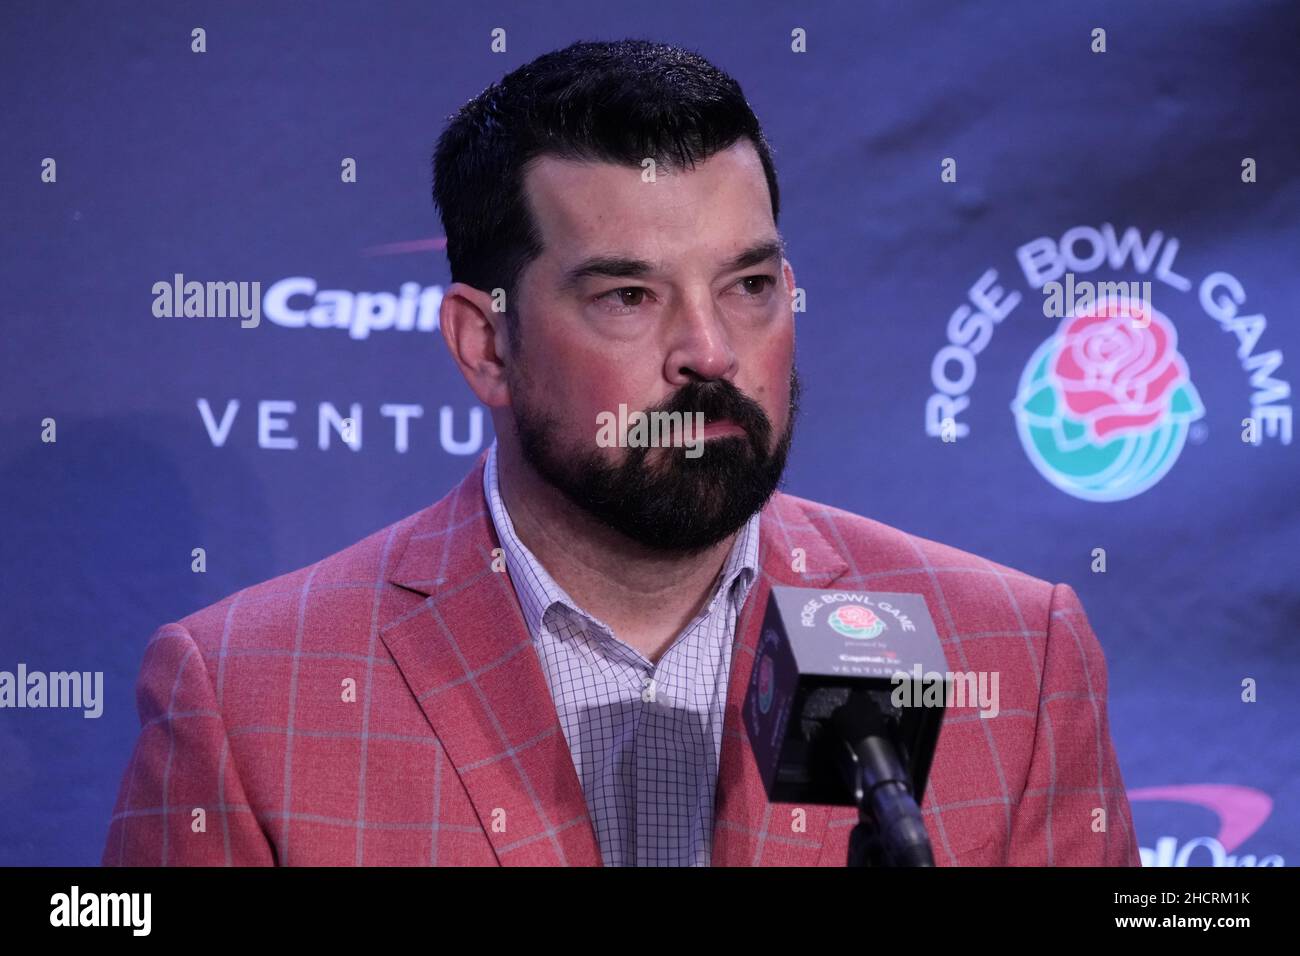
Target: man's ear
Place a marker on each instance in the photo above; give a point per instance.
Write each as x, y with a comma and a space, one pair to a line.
476, 338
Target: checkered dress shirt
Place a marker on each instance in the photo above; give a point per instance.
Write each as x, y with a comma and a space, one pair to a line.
645, 738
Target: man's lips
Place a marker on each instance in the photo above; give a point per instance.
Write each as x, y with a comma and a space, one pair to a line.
722, 427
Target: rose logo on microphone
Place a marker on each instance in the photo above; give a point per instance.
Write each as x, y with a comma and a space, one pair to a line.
856, 621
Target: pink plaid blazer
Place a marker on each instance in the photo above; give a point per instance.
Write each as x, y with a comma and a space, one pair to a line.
385, 706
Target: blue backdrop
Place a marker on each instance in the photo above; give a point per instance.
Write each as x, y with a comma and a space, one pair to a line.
923, 278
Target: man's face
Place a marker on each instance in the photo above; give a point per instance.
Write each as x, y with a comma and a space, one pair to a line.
641, 299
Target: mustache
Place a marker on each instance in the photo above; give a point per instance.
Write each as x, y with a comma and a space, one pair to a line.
718, 400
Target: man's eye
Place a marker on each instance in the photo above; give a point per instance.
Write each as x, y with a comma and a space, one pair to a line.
617, 296
632, 296
764, 282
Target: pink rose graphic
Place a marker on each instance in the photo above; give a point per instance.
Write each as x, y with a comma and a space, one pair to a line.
856, 616
1115, 377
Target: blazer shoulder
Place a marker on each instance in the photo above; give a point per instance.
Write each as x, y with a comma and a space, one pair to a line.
335, 599
872, 546
346, 581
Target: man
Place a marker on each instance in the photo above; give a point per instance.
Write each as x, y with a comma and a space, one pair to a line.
547, 666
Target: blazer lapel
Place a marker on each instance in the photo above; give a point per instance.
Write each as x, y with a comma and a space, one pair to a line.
466, 654
748, 830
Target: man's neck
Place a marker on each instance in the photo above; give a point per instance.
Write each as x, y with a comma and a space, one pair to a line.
647, 598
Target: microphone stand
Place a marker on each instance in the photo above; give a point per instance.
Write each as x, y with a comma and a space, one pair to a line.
890, 830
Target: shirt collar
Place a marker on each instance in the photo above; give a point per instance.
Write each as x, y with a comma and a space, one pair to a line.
538, 591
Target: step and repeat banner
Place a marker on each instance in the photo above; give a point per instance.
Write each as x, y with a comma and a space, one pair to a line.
964, 188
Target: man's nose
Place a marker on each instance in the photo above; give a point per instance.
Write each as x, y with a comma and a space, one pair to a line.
701, 346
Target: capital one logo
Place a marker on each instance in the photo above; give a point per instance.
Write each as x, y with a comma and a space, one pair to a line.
1240, 812
1104, 405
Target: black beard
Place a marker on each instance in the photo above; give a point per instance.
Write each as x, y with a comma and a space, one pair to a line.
680, 505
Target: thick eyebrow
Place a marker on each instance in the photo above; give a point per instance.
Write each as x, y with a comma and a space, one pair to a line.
628, 267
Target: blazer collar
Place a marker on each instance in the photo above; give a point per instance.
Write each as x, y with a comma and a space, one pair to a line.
462, 645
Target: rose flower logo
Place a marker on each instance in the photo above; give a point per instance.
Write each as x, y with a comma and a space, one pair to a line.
1104, 405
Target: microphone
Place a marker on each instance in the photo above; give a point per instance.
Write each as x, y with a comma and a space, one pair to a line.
830, 718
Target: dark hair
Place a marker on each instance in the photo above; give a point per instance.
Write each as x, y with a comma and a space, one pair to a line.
619, 102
